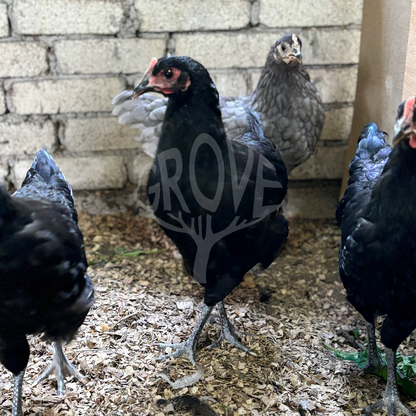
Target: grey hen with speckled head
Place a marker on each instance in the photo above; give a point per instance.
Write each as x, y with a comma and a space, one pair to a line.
288, 104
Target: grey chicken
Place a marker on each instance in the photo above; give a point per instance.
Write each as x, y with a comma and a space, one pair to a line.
289, 106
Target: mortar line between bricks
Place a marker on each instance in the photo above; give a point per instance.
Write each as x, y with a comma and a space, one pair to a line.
68, 154
49, 39
170, 44
65, 76
253, 29
8, 19
265, 29
332, 143
314, 183
254, 13
338, 105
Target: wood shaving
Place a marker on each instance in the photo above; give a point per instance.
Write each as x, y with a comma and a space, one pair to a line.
184, 381
149, 299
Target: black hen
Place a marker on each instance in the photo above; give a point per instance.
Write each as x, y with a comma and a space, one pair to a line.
215, 198
43, 285
289, 107
377, 262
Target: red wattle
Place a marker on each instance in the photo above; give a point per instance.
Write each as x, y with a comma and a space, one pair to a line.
412, 141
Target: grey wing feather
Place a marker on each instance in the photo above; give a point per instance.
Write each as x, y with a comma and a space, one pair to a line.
145, 113
233, 112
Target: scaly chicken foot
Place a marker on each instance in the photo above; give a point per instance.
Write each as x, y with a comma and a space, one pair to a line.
256, 271
374, 360
229, 333
390, 402
61, 367
17, 394
188, 348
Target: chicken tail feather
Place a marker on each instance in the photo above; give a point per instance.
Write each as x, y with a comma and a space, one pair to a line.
46, 175
44, 166
371, 141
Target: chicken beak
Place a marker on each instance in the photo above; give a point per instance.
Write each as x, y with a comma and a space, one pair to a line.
294, 57
143, 87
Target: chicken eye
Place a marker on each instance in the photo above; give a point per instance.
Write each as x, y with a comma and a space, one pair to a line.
168, 74
283, 47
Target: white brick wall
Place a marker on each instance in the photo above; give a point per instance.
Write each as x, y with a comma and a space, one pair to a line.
326, 163
62, 62
4, 21
22, 59
336, 84
338, 124
99, 134
107, 56
222, 49
63, 17
230, 83
64, 96
4, 171
96, 172
321, 202
26, 138
185, 15
301, 13
2, 101
139, 169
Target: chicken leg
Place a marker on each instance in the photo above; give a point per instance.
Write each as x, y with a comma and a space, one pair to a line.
17, 394
61, 367
228, 332
188, 347
374, 361
390, 402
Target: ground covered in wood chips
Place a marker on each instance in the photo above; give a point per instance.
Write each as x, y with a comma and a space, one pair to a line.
143, 296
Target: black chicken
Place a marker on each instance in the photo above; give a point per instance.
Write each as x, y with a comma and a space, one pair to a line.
377, 262
43, 285
206, 191
288, 104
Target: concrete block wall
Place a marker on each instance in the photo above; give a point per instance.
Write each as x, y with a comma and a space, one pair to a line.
64, 60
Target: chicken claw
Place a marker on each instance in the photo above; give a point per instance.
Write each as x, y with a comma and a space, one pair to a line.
61, 367
185, 349
229, 333
390, 402
188, 347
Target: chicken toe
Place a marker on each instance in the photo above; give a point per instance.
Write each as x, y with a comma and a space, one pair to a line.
229, 333
390, 403
187, 348
61, 367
